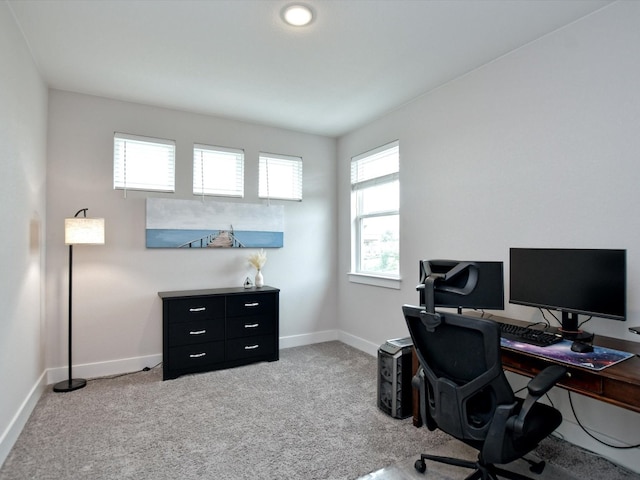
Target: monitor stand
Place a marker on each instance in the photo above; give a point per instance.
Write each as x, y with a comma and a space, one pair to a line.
570, 330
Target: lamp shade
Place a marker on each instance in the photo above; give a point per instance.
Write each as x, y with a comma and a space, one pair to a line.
87, 231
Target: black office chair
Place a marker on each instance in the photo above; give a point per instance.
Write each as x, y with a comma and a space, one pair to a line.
464, 392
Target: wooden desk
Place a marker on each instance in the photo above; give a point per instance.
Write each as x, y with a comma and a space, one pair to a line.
618, 384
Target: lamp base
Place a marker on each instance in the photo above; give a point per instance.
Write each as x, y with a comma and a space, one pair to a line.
70, 385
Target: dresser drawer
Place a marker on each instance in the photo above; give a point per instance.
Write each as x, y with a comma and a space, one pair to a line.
250, 326
251, 304
196, 308
193, 356
184, 333
238, 349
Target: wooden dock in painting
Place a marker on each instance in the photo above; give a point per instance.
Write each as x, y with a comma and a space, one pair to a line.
215, 239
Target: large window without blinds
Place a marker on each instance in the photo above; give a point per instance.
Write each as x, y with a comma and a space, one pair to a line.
375, 211
280, 177
143, 163
218, 171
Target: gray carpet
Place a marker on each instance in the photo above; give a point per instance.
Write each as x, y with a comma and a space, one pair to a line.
404, 470
311, 415
576, 465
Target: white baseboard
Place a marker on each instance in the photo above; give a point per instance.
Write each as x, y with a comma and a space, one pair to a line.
328, 336
103, 369
308, 338
126, 365
359, 343
19, 420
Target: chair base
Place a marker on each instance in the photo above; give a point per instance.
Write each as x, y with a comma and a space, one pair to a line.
482, 471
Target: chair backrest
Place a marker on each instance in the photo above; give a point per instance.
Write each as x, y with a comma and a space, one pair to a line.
461, 361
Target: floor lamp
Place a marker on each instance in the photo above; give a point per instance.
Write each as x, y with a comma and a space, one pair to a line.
78, 231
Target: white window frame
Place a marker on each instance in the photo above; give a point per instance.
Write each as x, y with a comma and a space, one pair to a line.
143, 163
361, 180
218, 171
280, 177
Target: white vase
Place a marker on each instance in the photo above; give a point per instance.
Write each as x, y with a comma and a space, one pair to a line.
259, 279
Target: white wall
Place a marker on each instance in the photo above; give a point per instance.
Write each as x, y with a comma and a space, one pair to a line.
538, 148
116, 310
23, 113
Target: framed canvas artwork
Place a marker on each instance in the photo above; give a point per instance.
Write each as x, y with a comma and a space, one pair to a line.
174, 223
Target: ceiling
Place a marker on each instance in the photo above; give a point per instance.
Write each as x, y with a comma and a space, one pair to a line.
358, 60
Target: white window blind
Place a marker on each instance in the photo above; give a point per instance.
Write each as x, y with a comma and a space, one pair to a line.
375, 211
143, 163
381, 165
280, 177
218, 171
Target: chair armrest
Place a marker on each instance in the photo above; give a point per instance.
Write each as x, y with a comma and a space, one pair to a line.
547, 378
537, 387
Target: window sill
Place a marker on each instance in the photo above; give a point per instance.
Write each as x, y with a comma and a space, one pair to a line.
375, 280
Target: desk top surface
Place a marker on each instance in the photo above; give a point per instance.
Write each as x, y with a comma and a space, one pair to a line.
598, 359
627, 370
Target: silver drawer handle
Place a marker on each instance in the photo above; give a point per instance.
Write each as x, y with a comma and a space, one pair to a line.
254, 304
197, 355
197, 332
198, 309
252, 325
251, 347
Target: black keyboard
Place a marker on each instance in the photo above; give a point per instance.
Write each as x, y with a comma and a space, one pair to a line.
528, 335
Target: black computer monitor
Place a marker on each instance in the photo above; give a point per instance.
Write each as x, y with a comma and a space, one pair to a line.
573, 281
487, 292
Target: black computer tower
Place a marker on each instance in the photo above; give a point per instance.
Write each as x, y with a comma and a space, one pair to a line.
395, 395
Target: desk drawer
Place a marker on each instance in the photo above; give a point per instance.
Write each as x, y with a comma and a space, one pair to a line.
192, 356
582, 381
250, 304
239, 349
185, 333
196, 308
238, 327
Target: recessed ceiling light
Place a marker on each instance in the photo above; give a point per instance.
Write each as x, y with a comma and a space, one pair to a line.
297, 14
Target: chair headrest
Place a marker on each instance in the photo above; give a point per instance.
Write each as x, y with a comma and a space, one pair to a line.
446, 272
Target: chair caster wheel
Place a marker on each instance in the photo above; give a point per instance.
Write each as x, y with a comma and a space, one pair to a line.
537, 467
420, 466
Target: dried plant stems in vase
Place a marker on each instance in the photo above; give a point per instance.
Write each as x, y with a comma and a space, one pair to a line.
257, 261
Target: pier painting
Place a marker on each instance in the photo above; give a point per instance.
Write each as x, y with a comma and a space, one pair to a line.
173, 223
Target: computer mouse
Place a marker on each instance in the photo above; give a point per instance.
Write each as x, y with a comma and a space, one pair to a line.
581, 347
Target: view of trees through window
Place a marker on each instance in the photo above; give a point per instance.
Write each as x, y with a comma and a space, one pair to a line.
380, 245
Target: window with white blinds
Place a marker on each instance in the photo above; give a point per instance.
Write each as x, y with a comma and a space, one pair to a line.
143, 163
280, 177
375, 211
218, 171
